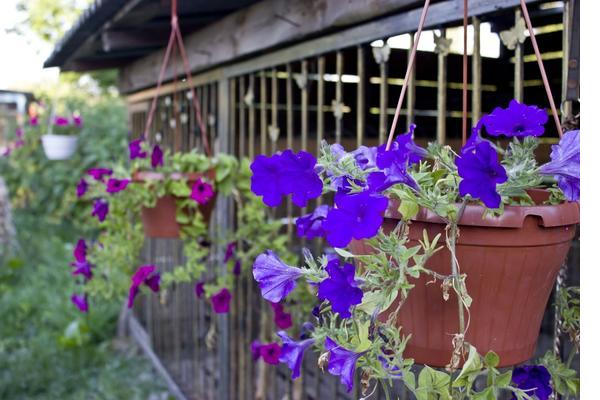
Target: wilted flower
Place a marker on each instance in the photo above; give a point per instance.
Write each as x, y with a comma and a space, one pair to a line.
100, 209
80, 301
311, 225
292, 352
116, 185
340, 288
518, 120
146, 275
157, 157
135, 150
220, 301
99, 173
342, 362
270, 353
275, 278
202, 191
82, 187
565, 164
535, 378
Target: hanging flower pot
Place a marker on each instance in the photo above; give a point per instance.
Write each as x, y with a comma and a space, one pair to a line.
59, 147
511, 263
160, 221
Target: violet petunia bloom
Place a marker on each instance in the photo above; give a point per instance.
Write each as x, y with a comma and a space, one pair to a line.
82, 268
534, 378
202, 192
33, 121
237, 268
311, 225
517, 120
135, 150
100, 209
270, 353
146, 275
403, 150
99, 173
80, 301
306, 329
396, 173
340, 288
283, 320
292, 352
283, 174
342, 362
157, 157
80, 251
255, 349
357, 216
77, 121
480, 170
229, 251
116, 185
365, 157
61, 121
275, 278
199, 289
565, 165
220, 301
81, 188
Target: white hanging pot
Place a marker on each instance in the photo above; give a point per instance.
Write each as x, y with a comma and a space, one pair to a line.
59, 147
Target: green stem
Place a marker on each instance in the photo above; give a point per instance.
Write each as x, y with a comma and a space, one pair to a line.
452, 239
571, 356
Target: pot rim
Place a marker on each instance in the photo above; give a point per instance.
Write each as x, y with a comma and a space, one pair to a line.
143, 176
53, 135
550, 216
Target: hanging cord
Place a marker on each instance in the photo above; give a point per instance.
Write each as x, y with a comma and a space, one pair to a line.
465, 71
177, 37
409, 68
538, 56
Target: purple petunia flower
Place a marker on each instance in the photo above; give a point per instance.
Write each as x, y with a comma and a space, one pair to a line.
391, 370
255, 349
357, 216
229, 251
80, 301
116, 185
292, 352
77, 121
396, 173
82, 187
286, 173
80, 251
517, 120
100, 209
157, 157
342, 362
202, 192
365, 157
19, 133
565, 164
270, 353
61, 121
311, 225
146, 275
306, 329
275, 278
33, 121
199, 289
403, 150
534, 377
82, 268
135, 150
282, 319
237, 268
99, 173
480, 170
341, 289
220, 301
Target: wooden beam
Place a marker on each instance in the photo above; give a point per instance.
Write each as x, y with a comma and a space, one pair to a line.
115, 40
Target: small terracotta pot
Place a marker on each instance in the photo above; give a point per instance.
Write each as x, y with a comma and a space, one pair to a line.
511, 263
159, 221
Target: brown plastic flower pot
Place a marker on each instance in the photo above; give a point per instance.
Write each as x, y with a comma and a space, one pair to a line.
160, 220
511, 263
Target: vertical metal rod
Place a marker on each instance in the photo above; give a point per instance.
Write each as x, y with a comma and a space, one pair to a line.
441, 95
465, 73
383, 100
304, 107
320, 103
360, 95
232, 114
339, 68
289, 111
519, 70
274, 106
411, 90
476, 67
566, 40
251, 118
242, 116
263, 112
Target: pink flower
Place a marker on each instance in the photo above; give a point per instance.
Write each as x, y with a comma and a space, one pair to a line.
33, 121
61, 121
116, 185
202, 192
270, 353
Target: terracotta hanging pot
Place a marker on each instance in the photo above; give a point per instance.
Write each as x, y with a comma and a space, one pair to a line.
511, 263
160, 220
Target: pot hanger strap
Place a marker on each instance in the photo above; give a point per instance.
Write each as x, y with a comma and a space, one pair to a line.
176, 39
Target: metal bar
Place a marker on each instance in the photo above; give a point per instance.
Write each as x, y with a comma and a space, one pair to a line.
411, 94
232, 113
274, 128
476, 74
566, 106
242, 117
339, 68
251, 117
263, 113
383, 100
441, 95
320, 101
304, 109
289, 112
519, 70
360, 95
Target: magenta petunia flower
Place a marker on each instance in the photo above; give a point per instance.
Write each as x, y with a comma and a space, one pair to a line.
237, 268
199, 289
19, 133
81, 188
480, 170
77, 121
340, 288
116, 185
517, 120
311, 225
535, 379
283, 320
99, 173
565, 165
146, 275
80, 251
292, 352
270, 353
220, 301
157, 157
357, 216
229, 251
19, 143
80, 301
61, 121
100, 209
202, 192
33, 121
283, 174
135, 150
83, 268
342, 362
275, 278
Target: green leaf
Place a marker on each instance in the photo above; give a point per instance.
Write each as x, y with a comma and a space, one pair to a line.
363, 336
492, 359
408, 209
487, 394
374, 298
503, 380
470, 370
343, 253
180, 188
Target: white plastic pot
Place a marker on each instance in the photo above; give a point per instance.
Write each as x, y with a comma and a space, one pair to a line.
59, 147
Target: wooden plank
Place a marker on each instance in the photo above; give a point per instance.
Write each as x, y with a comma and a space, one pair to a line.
339, 68
412, 88
360, 95
304, 107
476, 74
441, 95
263, 113
519, 66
